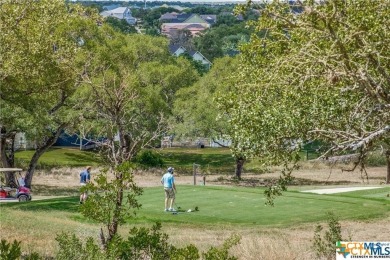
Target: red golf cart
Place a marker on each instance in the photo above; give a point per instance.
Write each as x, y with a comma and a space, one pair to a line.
20, 193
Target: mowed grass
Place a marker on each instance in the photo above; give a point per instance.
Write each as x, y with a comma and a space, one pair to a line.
245, 206
60, 157
210, 160
234, 206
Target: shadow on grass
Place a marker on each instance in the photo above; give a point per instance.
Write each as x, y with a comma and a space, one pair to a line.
82, 159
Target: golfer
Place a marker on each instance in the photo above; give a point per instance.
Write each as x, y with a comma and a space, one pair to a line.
170, 189
85, 177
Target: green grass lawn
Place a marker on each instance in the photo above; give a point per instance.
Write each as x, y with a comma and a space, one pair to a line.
214, 160
59, 157
221, 206
211, 160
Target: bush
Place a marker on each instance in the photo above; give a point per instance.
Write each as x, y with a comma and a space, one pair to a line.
13, 251
142, 243
222, 253
376, 159
149, 158
10, 251
326, 246
145, 243
70, 247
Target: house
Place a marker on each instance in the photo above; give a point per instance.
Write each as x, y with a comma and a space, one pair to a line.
174, 17
120, 13
110, 7
168, 16
22, 143
169, 29
197, 56
171, 22
177, 50
209, 18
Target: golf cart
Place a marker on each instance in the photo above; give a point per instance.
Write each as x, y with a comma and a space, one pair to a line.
20, 193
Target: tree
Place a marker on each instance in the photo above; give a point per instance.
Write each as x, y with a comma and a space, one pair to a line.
226, 19
182, 38
196, 64
322, 74
217, 42
41, 49
209, 44
196, 112
120, 24
128, 90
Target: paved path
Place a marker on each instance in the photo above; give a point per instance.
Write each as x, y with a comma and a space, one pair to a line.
339, 190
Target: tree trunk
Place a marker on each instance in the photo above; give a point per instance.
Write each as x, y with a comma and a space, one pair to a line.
239, 166
113, 226
7, 158
38, 153
388, 166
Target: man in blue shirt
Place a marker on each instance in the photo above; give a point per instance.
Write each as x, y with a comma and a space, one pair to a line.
85, 177
170, 189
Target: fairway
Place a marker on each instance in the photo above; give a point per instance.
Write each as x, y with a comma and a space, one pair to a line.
245, 206
223, 211
237, 206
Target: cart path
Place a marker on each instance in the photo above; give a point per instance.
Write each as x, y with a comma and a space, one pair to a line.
340, 190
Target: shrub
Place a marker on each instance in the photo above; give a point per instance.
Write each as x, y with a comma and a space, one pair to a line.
10, 251
149, 158
70, 247
142, 243
222, 253
13, 251
326, 246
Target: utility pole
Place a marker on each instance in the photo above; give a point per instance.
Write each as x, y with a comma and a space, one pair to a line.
145, 3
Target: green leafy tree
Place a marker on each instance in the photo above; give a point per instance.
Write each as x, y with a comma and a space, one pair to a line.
226, 19
112, 201
217, 42
198, 65
196, 112
41, 50
322, 74
151, 20
182, 38
128, 90
209, 44
324, 242
120, 25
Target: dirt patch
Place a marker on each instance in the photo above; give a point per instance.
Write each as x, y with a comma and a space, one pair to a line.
65, 181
